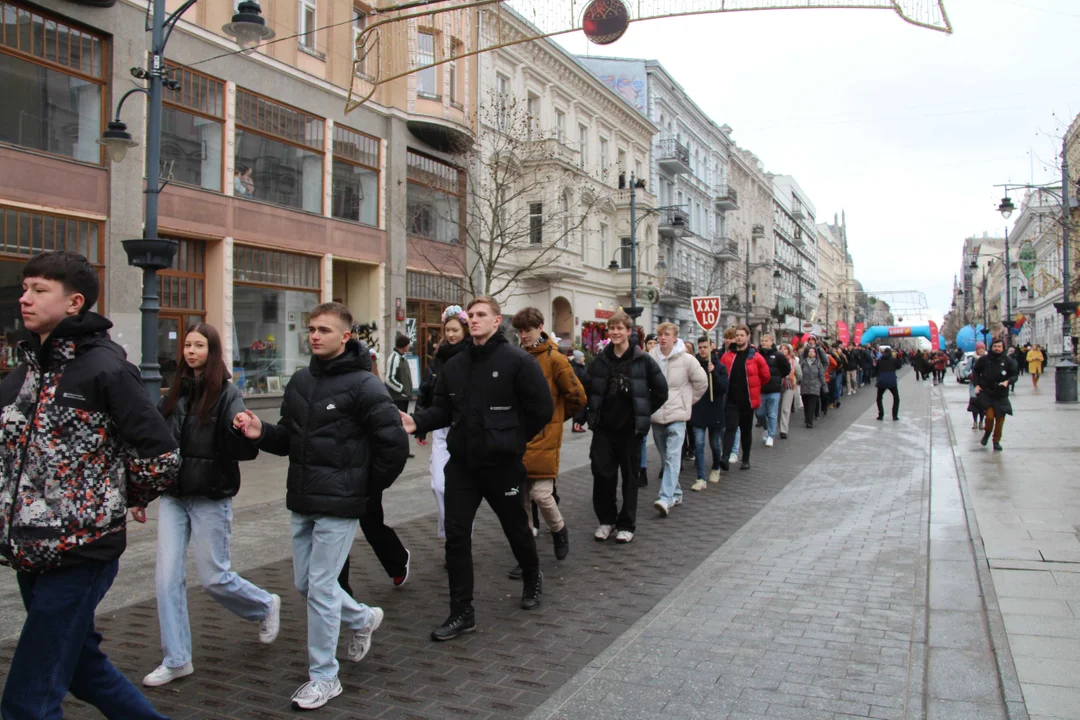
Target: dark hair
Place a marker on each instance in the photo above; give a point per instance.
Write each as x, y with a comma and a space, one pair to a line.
527, 319
332, 308
401, 341
704, 339
214, 375
241, 169
71, 270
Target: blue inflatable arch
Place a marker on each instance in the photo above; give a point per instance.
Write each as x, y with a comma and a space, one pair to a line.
886, 332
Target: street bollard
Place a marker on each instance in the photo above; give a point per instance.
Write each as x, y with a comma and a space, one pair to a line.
1065, 382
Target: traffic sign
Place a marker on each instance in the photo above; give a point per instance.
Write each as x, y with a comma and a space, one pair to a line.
706, 312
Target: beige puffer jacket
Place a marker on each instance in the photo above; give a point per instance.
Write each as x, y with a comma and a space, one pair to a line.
687, 382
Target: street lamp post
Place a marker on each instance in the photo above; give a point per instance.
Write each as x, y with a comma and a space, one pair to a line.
150, 252
751, 267
1006, 209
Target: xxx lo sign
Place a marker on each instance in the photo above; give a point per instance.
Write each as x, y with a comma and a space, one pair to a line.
706, 312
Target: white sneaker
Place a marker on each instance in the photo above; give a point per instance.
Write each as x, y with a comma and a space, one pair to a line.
696, 487
624, 536
360, 642
536, 533
733, 458
315, 693
662, 508
677, 500
768, 442
765, 435
268, 628
165, 675
603, 532
714, 476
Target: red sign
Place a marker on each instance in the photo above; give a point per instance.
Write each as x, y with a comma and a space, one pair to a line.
604, 314
859, 327
842, 331
706, 311
935, 339
895, 331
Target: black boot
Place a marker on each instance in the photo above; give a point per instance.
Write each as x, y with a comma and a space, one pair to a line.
535, 515
533, 591
456, 624
986, 436
561, 541
642, 477
515, 573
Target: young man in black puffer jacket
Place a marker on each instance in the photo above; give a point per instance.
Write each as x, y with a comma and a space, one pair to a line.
345, 443
495, 399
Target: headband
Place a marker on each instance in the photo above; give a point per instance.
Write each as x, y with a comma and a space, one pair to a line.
455, 311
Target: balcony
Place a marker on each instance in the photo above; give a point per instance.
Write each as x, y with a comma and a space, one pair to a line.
673, 157
727, 198
758, 233
676, 291
797, 212
674, 223
547, 263
644, 200
725, 249
550, 150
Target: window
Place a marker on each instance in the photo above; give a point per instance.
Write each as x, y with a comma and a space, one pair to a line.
533, 109
583, 145
282, 149
564, 207
355, 188
192, 127
620, 162
433, 198
560, 125
183, 294
603, 157
624, 253
603, 245
359, 61
53, 80
425, 59
536, 223
456, 49
307, 24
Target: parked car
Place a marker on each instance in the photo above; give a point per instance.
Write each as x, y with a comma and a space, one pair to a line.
962, 371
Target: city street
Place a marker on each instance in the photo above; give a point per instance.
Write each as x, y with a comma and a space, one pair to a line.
836, 579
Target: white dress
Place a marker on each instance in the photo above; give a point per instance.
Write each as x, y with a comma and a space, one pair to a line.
439, 457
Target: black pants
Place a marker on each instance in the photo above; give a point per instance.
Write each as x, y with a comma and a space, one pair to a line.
738, 415
501, 486
612, 453
809, 407
383, 541
895, 401
402, 405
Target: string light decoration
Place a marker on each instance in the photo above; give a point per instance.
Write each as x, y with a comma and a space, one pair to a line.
479, 26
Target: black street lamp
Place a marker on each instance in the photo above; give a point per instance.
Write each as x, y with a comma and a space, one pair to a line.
1006, 209
150, 252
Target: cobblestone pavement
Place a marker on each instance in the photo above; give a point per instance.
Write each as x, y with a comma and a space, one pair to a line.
516, 660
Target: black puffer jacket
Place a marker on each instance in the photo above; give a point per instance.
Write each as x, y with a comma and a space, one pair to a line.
779, 368
650, 388
988, 373
342, 433
494, 398
444, 354
210, 453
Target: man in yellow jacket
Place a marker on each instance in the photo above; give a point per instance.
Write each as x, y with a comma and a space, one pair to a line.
1035, 360
542, 452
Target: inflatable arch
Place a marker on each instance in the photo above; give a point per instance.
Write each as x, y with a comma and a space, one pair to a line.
883, 332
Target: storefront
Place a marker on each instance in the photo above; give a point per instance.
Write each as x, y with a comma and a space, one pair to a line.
23, 234
427, 296
273, 293
183, 304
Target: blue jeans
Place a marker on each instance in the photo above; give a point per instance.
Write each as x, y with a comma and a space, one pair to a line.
320, 545
768, 411
208, 525
644, 447
59, 650
716, 436
669, 442
837, 385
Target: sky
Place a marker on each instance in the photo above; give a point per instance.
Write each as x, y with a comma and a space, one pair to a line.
907, 130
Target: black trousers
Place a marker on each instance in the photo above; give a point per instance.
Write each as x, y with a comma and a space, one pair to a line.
895, 401
383, 540
738, 415
612, 453
809, 407
502, 486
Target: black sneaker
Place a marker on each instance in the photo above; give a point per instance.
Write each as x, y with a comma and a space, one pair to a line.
896, 418
456, 624
745, 465
561, 541
997, 446
515, 573
986, 437
725, 465
533, 592
880, 418
783, 436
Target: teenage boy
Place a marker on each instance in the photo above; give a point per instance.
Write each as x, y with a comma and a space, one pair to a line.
542, 453
399, 376
747, 374
687, 382
346, 445
82, 444
494, 399
626, 387
779, 368
707, 415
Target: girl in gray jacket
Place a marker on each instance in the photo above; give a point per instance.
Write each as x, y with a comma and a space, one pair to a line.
813, 379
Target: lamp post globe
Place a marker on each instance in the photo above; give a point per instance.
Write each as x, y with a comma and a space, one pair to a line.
116, 140
1006, 207
248, 27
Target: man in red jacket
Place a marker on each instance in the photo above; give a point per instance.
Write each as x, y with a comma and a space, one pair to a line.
747, 373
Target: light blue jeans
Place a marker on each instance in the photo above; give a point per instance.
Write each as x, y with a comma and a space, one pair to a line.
669, 442
208, 525
769, 409
716, 441
320, 545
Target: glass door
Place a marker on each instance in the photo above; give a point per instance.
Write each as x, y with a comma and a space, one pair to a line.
169, 347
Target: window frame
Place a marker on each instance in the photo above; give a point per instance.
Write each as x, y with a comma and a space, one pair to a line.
458, 192
357, 162
306, 35
172, 68
432, 68
536, 223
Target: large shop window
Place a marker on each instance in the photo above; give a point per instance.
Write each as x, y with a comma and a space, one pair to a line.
356, 176
427, 296
433, 202
283, 147
183, 304
24, 234
273, 292
53, 81
192, 128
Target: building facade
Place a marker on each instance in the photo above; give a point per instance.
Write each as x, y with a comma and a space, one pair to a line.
1035, 249
795, 243
751, 293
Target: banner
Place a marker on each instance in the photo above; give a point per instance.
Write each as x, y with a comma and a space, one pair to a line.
859, 327
897, 331
706, 312
842, 331
935, 339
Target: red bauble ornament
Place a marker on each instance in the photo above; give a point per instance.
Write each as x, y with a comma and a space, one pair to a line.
605, 21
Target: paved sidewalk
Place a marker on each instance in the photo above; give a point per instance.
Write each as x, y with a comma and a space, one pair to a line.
1027, 504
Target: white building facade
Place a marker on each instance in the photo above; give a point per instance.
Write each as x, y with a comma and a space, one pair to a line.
795, 241
1035, 251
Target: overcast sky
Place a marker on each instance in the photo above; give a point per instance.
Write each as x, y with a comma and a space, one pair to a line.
906, 129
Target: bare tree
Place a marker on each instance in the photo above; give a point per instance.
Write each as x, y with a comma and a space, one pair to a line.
529, 198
